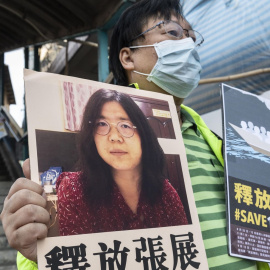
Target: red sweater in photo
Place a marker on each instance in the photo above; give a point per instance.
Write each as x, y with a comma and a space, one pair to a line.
76, 217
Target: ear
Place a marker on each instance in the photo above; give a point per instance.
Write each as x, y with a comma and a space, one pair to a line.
126, 58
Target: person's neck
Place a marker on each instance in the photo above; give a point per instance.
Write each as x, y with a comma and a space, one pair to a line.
178, 102
129, 184
178, 108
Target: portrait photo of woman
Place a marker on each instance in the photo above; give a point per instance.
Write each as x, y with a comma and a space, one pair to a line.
120, 183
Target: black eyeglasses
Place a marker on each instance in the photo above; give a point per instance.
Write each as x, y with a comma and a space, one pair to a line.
125, 128
175, 30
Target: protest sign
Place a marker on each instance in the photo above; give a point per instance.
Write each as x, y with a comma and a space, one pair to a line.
247, 161
55, 108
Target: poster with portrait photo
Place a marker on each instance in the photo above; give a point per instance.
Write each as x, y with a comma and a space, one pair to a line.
56, 105
247, 161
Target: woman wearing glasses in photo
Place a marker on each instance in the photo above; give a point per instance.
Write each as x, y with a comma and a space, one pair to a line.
120, 185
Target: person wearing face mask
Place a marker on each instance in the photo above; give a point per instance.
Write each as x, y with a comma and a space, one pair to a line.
178, 64
152, 48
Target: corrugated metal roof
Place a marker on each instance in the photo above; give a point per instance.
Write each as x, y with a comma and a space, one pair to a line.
28, 22
237, 39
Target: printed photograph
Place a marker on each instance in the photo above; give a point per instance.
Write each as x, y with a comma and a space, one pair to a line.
110, 173
112, 163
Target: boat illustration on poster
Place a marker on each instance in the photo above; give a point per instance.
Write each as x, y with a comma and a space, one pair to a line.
254, 139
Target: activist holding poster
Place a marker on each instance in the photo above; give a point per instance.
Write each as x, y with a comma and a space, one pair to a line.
153, 48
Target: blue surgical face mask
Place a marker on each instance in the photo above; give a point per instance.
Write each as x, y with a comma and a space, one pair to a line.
178, 67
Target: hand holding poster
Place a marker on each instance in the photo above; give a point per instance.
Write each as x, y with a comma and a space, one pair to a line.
114, 224
247, 159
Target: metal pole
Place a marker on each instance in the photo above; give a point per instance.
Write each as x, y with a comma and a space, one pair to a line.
2, 78
235, 76
36, 58
26, 57
103, 61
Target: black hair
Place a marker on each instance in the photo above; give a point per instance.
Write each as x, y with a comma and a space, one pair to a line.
96, 174
130, 25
